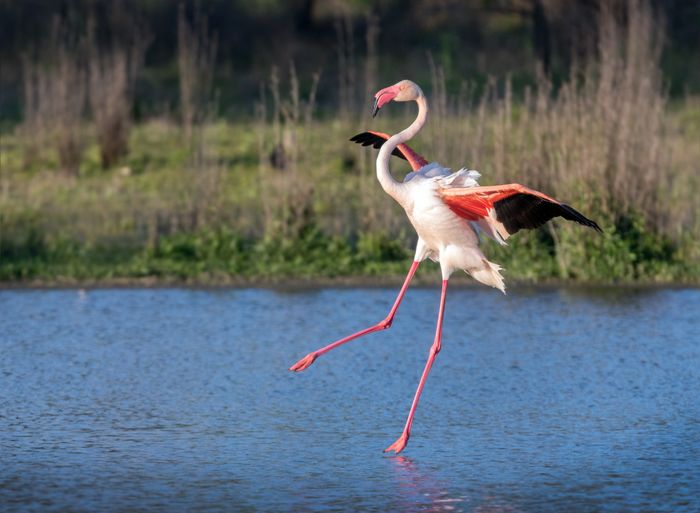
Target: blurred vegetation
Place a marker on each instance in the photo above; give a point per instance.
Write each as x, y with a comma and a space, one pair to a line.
472, 39
251, 176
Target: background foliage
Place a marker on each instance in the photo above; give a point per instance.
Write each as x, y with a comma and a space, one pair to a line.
207, 141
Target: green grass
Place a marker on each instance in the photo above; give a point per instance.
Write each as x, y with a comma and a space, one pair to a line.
621, 254
207, 256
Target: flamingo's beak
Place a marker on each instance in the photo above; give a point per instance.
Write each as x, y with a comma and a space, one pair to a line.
383, 97
375, 108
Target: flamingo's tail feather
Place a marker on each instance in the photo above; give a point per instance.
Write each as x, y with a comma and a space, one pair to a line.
489, 274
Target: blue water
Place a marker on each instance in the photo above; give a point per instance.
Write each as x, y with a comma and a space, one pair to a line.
545, 400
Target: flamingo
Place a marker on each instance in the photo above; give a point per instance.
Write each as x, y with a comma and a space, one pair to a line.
448, 211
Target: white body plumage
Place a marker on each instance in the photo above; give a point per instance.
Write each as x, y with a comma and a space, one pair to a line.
443, 236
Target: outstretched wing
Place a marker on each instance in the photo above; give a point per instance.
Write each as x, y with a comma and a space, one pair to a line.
503, 210
403, 151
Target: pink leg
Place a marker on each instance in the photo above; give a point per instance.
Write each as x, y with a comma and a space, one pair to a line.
386, 323
400, 444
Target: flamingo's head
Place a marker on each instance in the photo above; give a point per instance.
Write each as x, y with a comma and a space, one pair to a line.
404, 91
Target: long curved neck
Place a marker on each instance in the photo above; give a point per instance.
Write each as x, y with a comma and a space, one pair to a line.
391, 186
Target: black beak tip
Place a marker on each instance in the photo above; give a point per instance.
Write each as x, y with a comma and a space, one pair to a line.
375, 108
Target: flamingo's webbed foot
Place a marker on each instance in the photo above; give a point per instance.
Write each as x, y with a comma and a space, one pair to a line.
400, 444
304, 362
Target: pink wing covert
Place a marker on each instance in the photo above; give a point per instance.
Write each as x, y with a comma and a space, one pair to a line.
509, 208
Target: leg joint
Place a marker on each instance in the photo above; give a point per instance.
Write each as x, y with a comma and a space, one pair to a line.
386, 323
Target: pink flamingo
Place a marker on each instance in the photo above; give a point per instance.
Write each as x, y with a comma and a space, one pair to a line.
448, 210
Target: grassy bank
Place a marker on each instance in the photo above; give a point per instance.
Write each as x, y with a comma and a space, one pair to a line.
223, 257
233, 216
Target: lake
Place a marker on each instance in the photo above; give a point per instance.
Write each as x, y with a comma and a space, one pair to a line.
544, 400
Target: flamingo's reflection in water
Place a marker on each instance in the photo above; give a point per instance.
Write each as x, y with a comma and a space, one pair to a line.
421, 491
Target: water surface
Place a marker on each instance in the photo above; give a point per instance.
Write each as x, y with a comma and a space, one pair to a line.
575, 400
